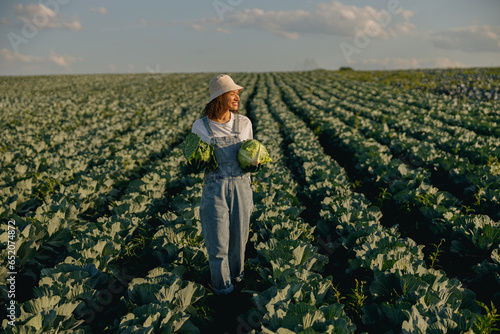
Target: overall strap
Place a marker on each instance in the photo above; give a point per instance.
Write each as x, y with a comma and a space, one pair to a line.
207, 126
237, 123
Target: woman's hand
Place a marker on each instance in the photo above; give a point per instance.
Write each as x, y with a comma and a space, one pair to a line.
197, 166
253, 169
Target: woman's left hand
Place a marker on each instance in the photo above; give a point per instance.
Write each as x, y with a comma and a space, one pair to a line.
197, 166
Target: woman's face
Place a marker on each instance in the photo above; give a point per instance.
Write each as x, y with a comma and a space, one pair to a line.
230, 100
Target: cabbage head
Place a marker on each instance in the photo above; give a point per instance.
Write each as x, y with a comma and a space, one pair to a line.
252, 153
197, 151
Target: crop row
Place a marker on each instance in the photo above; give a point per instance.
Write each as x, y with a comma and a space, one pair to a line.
481, 118
382, 253
109, 229
91, 194
378, 104
85, 278
474, 84
486, 183
480, 181
79, 128
27, 181
472, 237
55, 234
480, 150
297, 297
160, 301
472, 115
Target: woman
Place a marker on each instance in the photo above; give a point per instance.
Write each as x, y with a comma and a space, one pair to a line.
226, 202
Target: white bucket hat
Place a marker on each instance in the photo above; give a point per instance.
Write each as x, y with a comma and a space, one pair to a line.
221, 84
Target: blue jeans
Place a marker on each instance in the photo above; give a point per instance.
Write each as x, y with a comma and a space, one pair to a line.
226, 206
225, 209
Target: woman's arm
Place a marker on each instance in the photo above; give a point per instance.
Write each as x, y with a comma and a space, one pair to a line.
199, 128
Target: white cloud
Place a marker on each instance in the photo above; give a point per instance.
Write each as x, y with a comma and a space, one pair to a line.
154, 23
6, 21
445, 62
100, 10
391, 63
221, 30
43, 17
6, 54
8, 57
469, 39
333, 18
404, 28
63, 60
30, 68
198, 27
112, 67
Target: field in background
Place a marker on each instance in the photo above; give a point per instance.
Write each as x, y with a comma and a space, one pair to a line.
380, 211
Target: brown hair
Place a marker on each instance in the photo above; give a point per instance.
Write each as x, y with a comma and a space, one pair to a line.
215, 108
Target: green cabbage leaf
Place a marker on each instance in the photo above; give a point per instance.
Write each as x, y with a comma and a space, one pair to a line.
252, 153
197, 151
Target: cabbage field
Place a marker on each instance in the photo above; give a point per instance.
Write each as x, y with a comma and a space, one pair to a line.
379, 213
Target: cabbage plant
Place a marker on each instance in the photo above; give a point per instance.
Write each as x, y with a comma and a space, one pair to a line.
253, 153
199, 153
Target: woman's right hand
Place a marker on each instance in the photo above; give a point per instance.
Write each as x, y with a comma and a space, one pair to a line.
253, 169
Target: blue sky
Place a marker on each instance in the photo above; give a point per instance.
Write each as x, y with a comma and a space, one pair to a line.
124, 36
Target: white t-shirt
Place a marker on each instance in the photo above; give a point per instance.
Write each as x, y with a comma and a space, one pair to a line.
223, 129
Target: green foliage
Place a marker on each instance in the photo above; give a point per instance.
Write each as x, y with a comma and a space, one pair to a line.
338, 297
99, 183
161, 302
356, 300
197, 152
357, 184
383, 196
47, 186
433, 257
253, 153
494, 164
487, 323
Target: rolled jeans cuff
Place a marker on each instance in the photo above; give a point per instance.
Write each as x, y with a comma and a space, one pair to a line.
238, 279
224, 291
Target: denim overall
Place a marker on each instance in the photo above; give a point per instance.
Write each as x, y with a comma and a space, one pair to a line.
225, 209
